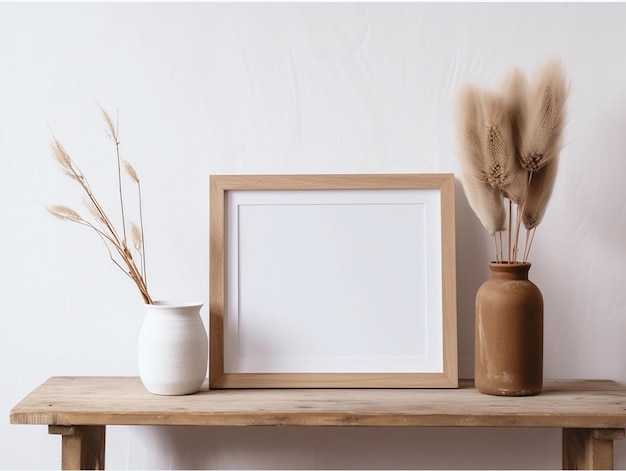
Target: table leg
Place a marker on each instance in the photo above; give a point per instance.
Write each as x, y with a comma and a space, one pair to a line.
589, 448
82, 446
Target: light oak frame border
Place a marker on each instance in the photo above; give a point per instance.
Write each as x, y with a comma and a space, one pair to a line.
221, 184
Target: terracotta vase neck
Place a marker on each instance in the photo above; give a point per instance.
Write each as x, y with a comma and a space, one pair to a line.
509, 271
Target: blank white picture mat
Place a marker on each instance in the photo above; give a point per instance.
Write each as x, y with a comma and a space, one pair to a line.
333, 281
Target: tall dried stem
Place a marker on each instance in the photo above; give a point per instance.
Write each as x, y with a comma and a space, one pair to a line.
105, 228
112, 132
134, 177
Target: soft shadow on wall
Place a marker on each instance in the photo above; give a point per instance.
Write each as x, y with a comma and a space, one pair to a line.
472, 270
357, 448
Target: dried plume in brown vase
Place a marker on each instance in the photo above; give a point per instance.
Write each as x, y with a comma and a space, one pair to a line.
509, 149
483, 198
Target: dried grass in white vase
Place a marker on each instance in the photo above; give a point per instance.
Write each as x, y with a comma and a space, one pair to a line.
115, 241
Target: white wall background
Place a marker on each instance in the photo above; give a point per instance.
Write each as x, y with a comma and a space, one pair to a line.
288, 88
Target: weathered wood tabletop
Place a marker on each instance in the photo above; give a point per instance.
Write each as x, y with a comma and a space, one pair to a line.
591, 412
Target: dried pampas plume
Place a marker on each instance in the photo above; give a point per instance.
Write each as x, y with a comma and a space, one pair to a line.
515, 95
502, 170
541, 141
515, 92
539, 193
509, 149
485, 201
131, 171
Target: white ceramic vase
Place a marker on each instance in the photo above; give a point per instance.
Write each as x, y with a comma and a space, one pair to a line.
172, 348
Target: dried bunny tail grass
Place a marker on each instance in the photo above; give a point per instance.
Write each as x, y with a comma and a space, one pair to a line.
539, 193
110, 125
502, 169
470, 123
61, 156
113, 134
64, 160
94, 211
484, 200
135, 233
115, 245
64, 213
130, 171
515, 91
487, 203
510, 143
541, 141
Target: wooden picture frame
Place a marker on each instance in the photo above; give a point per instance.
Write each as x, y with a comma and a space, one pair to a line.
332, 281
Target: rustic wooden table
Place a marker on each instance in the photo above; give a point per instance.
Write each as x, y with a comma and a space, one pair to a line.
591, 413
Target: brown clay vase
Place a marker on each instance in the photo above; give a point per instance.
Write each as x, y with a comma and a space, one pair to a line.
509, 333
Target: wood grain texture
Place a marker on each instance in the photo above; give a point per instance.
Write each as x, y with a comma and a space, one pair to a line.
448, 270
220, 185
217, 280
585, 448
125, 401
82, 447
328, 182
335, 380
